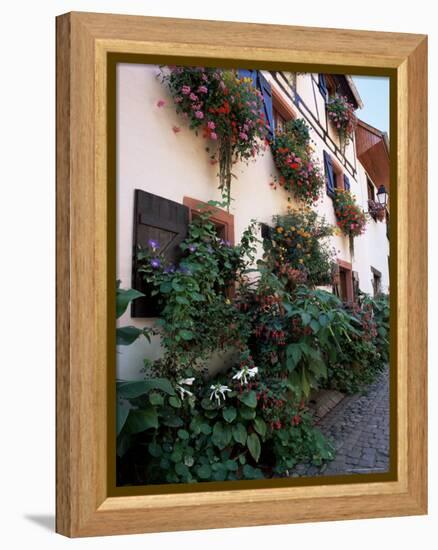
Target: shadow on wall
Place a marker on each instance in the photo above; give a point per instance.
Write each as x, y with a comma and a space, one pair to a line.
47, 521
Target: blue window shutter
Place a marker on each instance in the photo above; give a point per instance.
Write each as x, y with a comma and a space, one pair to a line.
346, 183
329, 174
322, 85
265, 88
248, 73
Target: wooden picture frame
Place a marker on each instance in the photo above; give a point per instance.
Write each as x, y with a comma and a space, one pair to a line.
85, 315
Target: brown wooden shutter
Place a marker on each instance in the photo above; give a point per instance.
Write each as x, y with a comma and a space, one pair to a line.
166, 222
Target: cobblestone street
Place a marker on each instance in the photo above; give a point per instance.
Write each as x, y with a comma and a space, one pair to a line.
359, 426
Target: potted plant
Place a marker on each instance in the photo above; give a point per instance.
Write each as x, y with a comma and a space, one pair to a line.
341, 113
295, 162
226, 108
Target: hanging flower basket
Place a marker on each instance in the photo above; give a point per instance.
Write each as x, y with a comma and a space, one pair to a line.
341, 113
376, 210
228, 111
293, 157
351, 219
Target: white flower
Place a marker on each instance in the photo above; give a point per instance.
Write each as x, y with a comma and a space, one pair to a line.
180, 387
218, 391
245, 373
186, 381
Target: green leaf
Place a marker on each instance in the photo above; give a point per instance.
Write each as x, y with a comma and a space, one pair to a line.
323, 320
176, 286
229, 414
221, 435
172, 420
260, 426
246, 413
208, 404
204, 471
186, 334
239, 433
129, 390
249, 399
254, 447
175, 402
140, 420
293, 355
314, 325
156, 398
252, 473
155, 449
305, 318
305, 383
166, 287
183, 434
123, 297
181, 469
206, 429
123, 409
182, 300
125, 336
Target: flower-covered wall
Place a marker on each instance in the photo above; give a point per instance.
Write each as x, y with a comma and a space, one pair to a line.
158, 153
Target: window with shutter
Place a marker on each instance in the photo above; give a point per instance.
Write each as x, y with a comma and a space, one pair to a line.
329, 175
346, 183
265, 88
222, 220
260, 82
248, 73
322, 85
161, 220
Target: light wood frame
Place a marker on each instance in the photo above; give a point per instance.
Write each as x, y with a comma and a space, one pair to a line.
84, 506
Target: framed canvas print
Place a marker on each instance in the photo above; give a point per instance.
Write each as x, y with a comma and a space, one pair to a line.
241, 277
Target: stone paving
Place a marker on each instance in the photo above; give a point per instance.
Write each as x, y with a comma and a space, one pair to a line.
359, 428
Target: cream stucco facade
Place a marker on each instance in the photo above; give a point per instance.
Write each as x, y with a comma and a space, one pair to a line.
152, 157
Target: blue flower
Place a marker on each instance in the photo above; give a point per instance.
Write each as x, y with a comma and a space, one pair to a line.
155, 262
153, 244
192, 247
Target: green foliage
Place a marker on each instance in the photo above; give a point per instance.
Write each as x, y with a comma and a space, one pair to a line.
250, 422
363, 354
197, 316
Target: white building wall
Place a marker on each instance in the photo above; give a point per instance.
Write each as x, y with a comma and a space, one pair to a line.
151, 157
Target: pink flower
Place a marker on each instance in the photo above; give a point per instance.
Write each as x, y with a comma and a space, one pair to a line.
199, 114
178, 99
193, 97
243, 136
202, 89
185, 90
176, 129
161, 103
211, 125
213, 136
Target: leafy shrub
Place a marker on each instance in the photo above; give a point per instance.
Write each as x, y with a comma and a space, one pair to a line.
298, 247
362, 356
